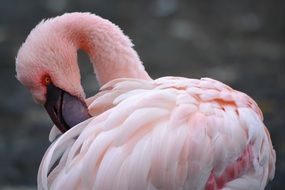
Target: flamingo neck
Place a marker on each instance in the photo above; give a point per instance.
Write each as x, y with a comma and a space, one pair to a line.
110, 51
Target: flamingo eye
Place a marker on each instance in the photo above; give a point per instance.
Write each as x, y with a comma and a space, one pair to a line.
46, 80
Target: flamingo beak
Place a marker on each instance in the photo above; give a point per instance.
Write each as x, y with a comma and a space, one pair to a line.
64, 109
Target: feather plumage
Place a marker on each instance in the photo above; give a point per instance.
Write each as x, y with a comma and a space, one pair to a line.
162, 134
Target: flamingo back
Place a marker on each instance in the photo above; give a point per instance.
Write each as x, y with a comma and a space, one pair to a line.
169, 133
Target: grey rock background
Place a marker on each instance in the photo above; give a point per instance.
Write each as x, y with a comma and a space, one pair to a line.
240, 43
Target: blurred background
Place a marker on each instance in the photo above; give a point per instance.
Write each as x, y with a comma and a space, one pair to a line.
240, 43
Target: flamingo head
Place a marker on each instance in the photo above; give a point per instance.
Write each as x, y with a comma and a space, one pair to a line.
47, 65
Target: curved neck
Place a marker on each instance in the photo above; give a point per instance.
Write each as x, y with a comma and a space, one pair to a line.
110, 51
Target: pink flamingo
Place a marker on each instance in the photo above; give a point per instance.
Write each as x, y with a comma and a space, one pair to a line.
137, 133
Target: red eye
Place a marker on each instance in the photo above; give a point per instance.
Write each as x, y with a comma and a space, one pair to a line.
46, 80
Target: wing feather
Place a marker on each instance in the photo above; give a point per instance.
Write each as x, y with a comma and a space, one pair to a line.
171, 133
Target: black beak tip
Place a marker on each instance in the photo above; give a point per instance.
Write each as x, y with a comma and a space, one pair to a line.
64, 109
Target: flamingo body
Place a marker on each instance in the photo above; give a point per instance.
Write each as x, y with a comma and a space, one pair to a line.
171, 133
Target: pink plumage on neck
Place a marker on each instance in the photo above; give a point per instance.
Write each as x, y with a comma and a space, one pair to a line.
51, 48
